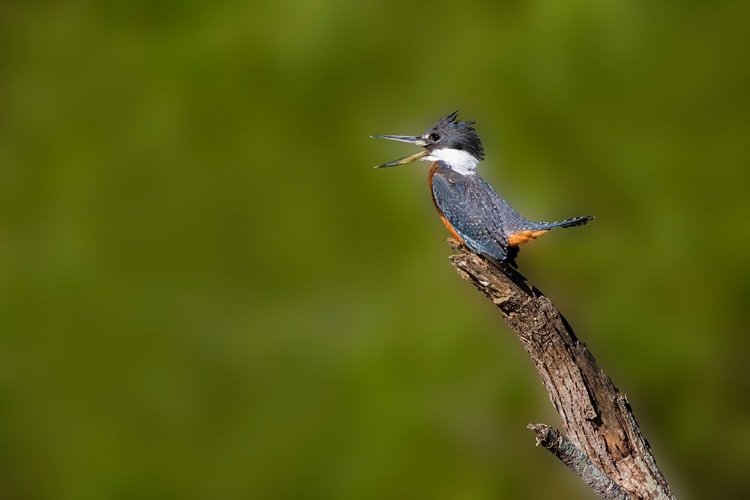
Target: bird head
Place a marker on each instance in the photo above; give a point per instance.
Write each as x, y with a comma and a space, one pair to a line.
449, 140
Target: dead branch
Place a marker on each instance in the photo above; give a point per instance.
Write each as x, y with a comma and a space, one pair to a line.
604, 438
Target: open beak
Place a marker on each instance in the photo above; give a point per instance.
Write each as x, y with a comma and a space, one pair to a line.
403, 138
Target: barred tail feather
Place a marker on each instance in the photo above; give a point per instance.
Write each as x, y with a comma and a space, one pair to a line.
576, 221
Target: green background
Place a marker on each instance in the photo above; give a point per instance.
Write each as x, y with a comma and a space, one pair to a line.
209, 293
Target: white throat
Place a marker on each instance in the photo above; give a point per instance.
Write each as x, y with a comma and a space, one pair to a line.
460, 161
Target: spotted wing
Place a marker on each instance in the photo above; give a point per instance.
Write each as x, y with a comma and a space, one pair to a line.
467, 203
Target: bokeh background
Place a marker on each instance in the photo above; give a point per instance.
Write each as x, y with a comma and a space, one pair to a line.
209, 293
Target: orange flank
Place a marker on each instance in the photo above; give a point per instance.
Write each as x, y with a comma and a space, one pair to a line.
450, 228
453, 232
522, 237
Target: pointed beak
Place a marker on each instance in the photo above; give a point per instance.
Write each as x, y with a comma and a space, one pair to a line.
403, 138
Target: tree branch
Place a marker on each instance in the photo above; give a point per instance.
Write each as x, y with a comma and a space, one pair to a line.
577, 461
596, 416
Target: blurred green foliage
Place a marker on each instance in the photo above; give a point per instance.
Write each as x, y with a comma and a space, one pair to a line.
208, 293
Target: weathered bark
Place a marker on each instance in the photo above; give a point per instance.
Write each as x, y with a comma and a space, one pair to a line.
578, 462
596, 416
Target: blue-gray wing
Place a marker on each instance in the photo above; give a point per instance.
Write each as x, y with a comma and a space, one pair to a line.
471, 208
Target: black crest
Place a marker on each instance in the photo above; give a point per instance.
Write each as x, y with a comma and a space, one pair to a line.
454, 134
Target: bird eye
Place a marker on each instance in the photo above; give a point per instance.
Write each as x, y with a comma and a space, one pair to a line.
434, 137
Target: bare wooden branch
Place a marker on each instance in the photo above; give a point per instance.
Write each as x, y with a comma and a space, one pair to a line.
595, 415
578, 462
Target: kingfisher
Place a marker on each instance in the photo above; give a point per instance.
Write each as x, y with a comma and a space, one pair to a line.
475, 215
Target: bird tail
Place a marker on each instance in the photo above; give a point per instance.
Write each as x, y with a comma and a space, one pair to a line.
576, 221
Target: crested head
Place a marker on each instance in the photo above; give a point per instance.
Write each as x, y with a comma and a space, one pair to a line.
450, 141
455, 143
449, 133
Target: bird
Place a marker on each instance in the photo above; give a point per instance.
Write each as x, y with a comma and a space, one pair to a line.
474, 213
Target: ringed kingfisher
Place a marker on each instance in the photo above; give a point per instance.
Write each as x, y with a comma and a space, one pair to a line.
473, 212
